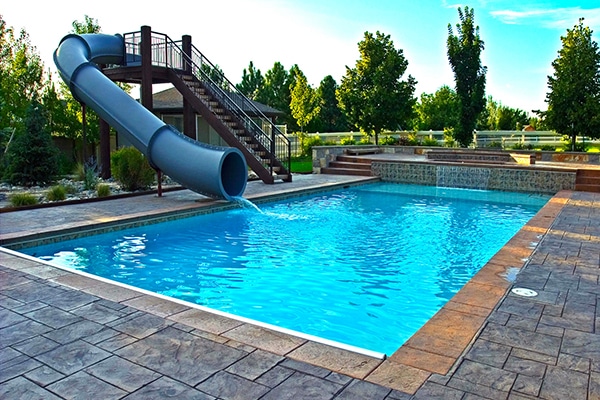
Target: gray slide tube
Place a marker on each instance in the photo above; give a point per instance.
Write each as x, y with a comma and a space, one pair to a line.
219, 172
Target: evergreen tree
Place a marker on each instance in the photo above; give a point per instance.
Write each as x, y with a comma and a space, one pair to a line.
33, 157
464, 54
330, 117
574, 97
252, 82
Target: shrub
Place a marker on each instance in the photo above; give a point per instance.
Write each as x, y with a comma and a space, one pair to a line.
131, 169
57, 193
495, 145
103, 190
308, 142
579, 146
87, 173
547, 147
22, 199
431, 142
388, 141
522, 146
348, 141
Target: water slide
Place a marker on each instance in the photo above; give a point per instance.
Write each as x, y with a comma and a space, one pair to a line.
218, 172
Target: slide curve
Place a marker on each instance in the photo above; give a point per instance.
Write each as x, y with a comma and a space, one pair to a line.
218, 172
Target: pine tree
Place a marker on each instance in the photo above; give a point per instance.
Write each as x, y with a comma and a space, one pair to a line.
33, 157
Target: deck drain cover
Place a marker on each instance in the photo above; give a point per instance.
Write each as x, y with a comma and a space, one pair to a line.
524, 292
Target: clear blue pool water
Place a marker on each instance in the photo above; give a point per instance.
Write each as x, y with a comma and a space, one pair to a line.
365, 266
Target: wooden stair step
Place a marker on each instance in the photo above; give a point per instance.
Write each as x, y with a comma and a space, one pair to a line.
587, 188
354, 159
349, 165
345, 171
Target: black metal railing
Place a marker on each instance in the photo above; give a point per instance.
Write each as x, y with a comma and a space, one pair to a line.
170, 54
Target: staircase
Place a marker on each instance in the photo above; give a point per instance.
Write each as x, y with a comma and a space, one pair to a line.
349, 165
588, 180
227, 110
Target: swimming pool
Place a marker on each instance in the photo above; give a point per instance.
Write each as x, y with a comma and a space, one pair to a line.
365, 266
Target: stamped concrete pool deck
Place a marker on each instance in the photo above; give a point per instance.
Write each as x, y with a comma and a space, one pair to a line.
69, 335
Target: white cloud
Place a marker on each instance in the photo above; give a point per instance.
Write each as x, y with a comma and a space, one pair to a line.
556, 18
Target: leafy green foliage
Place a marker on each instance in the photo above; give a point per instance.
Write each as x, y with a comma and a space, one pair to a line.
308, 142
388, 141
22, 199
574, 97
497, 117
430, 142
32, 157
372, 94
348, 141
304, 104
437, 111
131, 169
21, 80
464, 54
56, 193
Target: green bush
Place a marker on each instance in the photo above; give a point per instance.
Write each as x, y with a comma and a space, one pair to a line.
56, 193
547, 147
388, 141
430, 142
348, 141
495, 145
22, 199
579, 146
103, 190
521, 146
131, 169
87, 173
308, 142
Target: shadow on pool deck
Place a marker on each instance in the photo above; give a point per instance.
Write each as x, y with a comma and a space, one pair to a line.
63, 333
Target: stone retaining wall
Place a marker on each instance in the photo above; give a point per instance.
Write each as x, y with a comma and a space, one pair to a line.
491, 178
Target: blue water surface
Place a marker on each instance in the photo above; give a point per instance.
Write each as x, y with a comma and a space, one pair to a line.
365, 266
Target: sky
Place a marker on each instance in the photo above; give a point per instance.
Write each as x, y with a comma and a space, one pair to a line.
521, 38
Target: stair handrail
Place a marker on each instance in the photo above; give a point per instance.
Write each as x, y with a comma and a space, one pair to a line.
169, 53
224, 88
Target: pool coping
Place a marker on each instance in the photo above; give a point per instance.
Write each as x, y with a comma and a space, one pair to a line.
434, 349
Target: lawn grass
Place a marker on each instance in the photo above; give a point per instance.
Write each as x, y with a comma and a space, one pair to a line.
301, 165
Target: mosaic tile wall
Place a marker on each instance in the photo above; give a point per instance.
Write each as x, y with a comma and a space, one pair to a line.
496, 178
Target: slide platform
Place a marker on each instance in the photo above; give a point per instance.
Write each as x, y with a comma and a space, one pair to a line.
218, 172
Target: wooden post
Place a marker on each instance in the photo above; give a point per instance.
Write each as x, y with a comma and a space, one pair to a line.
83, 133
104, 149
189, 115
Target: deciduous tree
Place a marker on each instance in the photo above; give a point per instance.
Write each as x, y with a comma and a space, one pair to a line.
373, 94
464, 54
437, 111
574, 97
304, 104
21, 79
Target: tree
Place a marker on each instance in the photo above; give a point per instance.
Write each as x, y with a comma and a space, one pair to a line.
437, 111
574, 97
32, 159
330, 117
496, 116
372, 94
464, 54
304, 104
252, 82
21, 80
